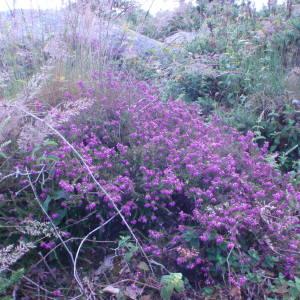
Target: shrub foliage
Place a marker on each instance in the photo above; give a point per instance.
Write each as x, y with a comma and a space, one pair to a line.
203, 194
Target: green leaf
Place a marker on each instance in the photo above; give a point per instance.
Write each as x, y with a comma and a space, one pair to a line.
254, 255
132, 249
48, 158
220, 259
60, 194
3, 155
270, 261
52, 158
46, 203
166, 292
123, 241
15, 277
50, 143
297, 283
170, 283
207, 291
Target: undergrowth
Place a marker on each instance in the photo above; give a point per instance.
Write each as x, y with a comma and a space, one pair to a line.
173, 177
200, 197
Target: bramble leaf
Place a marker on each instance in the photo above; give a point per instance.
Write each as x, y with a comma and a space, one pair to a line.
170, 283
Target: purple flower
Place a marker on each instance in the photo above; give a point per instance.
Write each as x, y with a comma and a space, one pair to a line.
230, 246
54, 216
57, 293
48, 245
219, 240
91, 206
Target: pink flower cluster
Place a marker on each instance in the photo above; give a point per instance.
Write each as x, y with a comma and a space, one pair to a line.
170, 172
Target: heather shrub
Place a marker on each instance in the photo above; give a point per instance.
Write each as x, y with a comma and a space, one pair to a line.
205, 212
201, 196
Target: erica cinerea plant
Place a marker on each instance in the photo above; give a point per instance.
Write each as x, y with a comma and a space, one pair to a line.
202, 193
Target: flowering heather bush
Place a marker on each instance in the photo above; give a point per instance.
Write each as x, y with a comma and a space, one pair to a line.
201, 192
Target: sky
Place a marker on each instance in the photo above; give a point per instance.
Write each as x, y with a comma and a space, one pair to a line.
56, 4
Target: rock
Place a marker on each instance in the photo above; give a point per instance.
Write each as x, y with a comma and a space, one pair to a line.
106, 39
116, 40
180, 38
293, 83
295, 11
134, 44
